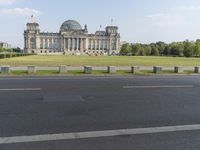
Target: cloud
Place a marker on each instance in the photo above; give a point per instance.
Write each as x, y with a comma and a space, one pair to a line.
190, 8
19, 11
163, 20
9, 2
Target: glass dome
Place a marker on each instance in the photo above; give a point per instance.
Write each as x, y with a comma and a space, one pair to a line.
70, 25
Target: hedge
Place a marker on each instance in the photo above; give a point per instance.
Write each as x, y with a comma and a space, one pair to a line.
11, 55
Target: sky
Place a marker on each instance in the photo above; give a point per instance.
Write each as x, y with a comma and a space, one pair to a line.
142, 21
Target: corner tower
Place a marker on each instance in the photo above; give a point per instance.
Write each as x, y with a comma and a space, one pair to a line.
31, 36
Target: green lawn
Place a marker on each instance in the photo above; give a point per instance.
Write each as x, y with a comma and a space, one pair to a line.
99, 61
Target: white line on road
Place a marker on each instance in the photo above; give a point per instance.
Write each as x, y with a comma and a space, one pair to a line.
97, 134
159, 86
22, 89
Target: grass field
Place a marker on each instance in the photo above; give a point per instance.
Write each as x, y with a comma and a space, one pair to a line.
99, 61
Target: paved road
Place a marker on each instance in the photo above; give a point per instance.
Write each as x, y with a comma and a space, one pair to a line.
56, 105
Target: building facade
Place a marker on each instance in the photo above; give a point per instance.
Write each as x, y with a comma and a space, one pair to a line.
5, 45
72, 39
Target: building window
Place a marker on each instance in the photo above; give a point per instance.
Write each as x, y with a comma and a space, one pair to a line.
33, 44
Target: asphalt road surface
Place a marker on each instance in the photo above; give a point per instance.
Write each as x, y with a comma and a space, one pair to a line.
100, 113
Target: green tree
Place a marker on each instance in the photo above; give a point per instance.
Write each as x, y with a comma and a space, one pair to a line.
177, 49
197, 48
161, 47
154, 50
167, 51
126, 49
148, 50
138, 50
188, 48
17, 50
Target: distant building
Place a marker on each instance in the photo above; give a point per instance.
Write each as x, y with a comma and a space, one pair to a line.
5, 45
72, 39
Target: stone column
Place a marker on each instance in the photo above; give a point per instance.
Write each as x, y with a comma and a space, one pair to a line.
110, 46
117, 44
99, 44
44, 43
81, 41
102, 44
25, 43
68, 43
48, 43
86, 44
64, 44
77, 43
75, 40
83, 44
28, 43
37, 43
73, 44
95, 44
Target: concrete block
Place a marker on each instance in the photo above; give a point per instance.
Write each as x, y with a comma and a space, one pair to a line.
196, 69
112, 69
62, 69
135, 69
157, 69
32, 69
5, 69
88, 69
178, 69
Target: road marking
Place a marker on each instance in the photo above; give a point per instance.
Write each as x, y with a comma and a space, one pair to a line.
96, 134
22, 89
159, 86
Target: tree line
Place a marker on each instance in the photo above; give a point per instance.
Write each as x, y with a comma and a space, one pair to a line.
180, 49
10, 50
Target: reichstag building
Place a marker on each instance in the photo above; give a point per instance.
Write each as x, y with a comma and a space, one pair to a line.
72, 39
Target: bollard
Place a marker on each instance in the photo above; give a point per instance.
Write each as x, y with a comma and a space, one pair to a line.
196, 69
62, 69
88, 69
31, 69
5, 69
135, 69
111, 69
157, 69
178, 69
